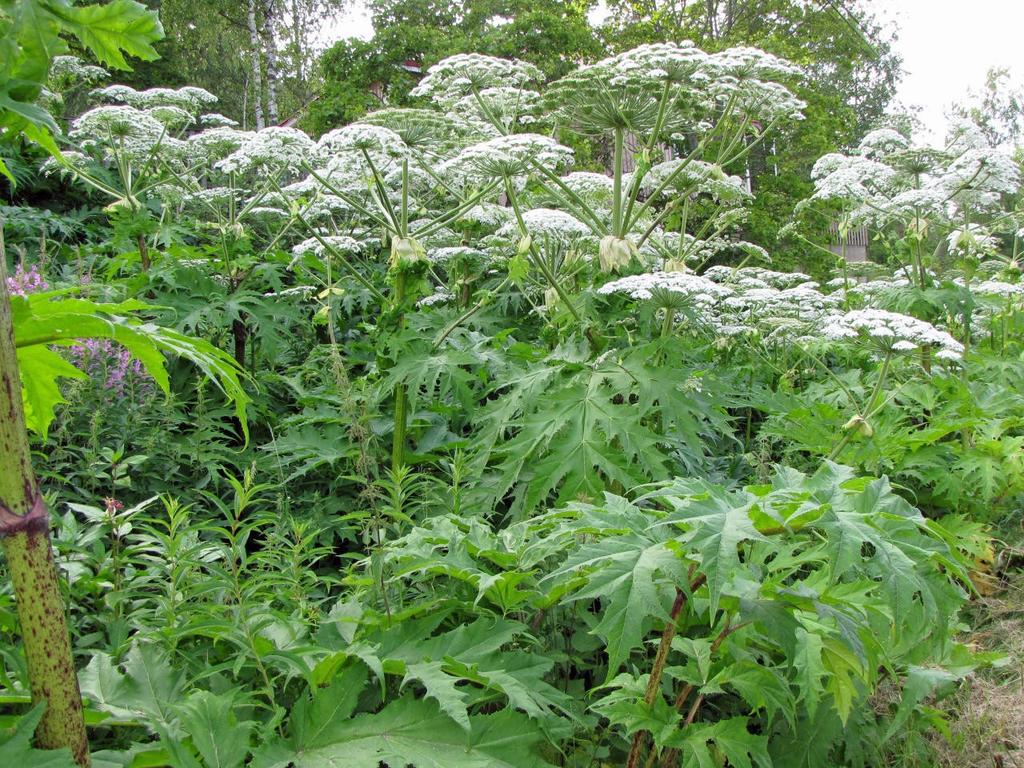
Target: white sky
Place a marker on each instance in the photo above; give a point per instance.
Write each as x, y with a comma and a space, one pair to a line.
947, 47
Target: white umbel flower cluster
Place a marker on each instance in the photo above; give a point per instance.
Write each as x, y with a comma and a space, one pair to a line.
845, 177
882, 142
216, 143
441, 295
270, 152
448, 254
891, 332
507, 156
216, 120
695, 177
504, 105
380, 143
122, 129
334, 243
548, 222
190, 98
758, 277
655, 63
457, 76
66, 71
699, 290
593, 188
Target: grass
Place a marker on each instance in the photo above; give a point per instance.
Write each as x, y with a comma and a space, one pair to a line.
986, 716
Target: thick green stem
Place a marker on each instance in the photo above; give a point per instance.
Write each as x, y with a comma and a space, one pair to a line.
143, 253
620, 136
401, 400
667, 322
25, 536
869, 409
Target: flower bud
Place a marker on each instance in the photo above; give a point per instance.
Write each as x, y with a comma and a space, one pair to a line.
859, 423
406, 251
615, 253
121, 204
523, 247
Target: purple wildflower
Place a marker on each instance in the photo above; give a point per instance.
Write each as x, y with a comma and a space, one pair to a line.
109, 365
24, 282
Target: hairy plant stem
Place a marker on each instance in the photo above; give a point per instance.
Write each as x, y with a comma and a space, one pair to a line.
25, 538
658, 668
667, 322
671, 756
144, 253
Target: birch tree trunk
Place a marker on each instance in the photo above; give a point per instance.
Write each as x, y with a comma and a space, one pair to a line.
270, 50
257, 74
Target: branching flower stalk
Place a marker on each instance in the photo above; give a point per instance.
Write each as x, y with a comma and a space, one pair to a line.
535, 256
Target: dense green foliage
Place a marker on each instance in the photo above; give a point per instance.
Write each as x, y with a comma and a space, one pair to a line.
524, 467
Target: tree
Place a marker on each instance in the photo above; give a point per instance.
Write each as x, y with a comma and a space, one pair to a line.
356, 77
257, 56
998, 109
851, 69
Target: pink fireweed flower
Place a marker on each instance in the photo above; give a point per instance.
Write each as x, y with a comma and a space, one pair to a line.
109, 365
24, 282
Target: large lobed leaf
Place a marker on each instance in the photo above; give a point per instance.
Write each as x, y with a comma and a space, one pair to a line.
406, 732
42, 320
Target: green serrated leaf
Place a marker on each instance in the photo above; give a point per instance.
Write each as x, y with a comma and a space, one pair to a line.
16, 746
411, 732
41, 368
110, 28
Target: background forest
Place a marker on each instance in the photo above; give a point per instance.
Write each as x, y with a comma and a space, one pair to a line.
504, 390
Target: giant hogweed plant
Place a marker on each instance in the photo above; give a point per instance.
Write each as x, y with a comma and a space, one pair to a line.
950, 221
682, 623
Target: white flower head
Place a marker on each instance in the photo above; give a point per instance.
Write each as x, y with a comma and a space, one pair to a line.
122, 129
217, 120
891, 331
270, 152
501, 105
642, 287
850, 178
441, 295
380, 143
548, 222
68, 71
457, 76
325, 245
172, 117
882, 142
695, 177
216, 143
507, 156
